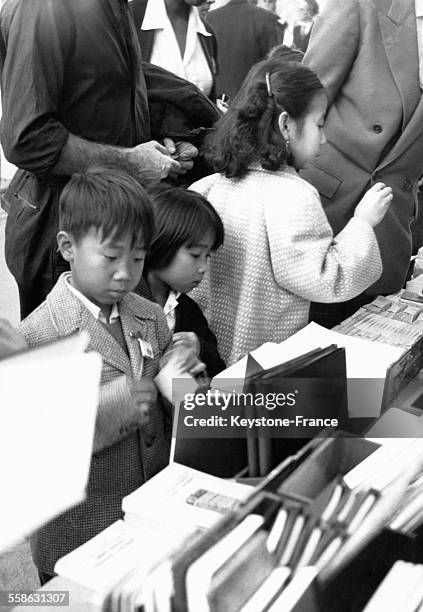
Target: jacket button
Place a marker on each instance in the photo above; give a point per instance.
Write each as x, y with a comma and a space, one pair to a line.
407, 185
376, 178
149, 441
377, 128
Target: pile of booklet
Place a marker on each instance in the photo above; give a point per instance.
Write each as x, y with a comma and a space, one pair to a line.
192, 542
177, 505
392, 320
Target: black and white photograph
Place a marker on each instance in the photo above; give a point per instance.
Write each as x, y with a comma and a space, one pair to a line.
211, 305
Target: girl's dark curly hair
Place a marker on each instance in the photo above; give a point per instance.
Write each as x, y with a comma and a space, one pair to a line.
249, 132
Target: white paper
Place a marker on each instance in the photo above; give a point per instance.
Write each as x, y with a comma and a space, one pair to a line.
365, 359
112, 555
164, 497
48, 406
385, 463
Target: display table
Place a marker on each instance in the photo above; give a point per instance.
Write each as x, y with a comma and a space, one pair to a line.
409, 400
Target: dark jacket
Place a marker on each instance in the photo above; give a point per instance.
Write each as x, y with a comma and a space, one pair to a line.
146, 38
95, 88
189, 318
244, 33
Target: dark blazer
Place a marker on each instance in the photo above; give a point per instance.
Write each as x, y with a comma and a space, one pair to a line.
146, 38
189, 318
244, 33
374, 125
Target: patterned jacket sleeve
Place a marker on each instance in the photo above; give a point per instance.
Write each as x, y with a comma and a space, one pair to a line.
307, 259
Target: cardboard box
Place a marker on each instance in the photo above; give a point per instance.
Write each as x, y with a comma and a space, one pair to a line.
336, 455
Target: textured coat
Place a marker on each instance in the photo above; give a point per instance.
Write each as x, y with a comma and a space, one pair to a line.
279, 254
374, 125
136, 455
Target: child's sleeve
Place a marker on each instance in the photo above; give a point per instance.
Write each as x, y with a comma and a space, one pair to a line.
307, 259
192, 319
117, 415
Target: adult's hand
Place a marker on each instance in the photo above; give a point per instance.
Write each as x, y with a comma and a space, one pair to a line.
153, 162
183, 152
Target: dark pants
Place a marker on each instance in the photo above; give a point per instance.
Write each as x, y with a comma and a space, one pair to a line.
329, 315
31, 296
30, 246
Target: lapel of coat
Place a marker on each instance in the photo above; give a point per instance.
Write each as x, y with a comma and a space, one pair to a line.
138, 323
69, 315
399, 36
413, 130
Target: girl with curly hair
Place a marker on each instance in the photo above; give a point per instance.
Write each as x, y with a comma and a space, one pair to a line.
280, 252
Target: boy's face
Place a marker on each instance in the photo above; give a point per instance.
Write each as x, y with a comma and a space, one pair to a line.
102, 270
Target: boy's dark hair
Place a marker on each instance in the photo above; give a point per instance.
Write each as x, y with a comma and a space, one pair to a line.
109, 200
181, 217
249, 131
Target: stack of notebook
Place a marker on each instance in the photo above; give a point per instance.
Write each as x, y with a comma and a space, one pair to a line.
263, 549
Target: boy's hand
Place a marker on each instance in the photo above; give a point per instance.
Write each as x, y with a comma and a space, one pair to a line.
188, 339
374, 205
182, 360
144, 395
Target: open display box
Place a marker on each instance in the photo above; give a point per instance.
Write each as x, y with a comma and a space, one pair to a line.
335, 456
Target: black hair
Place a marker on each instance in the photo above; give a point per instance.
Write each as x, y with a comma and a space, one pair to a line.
109, 200
249, 131
288, 54
313, 7
181, 217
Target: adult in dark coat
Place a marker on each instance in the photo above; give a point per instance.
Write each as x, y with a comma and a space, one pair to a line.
245, 34
73, 91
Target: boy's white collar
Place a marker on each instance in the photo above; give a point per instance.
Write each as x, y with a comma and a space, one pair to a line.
90, 306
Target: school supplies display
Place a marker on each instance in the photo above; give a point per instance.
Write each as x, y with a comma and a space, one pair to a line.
281, 546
